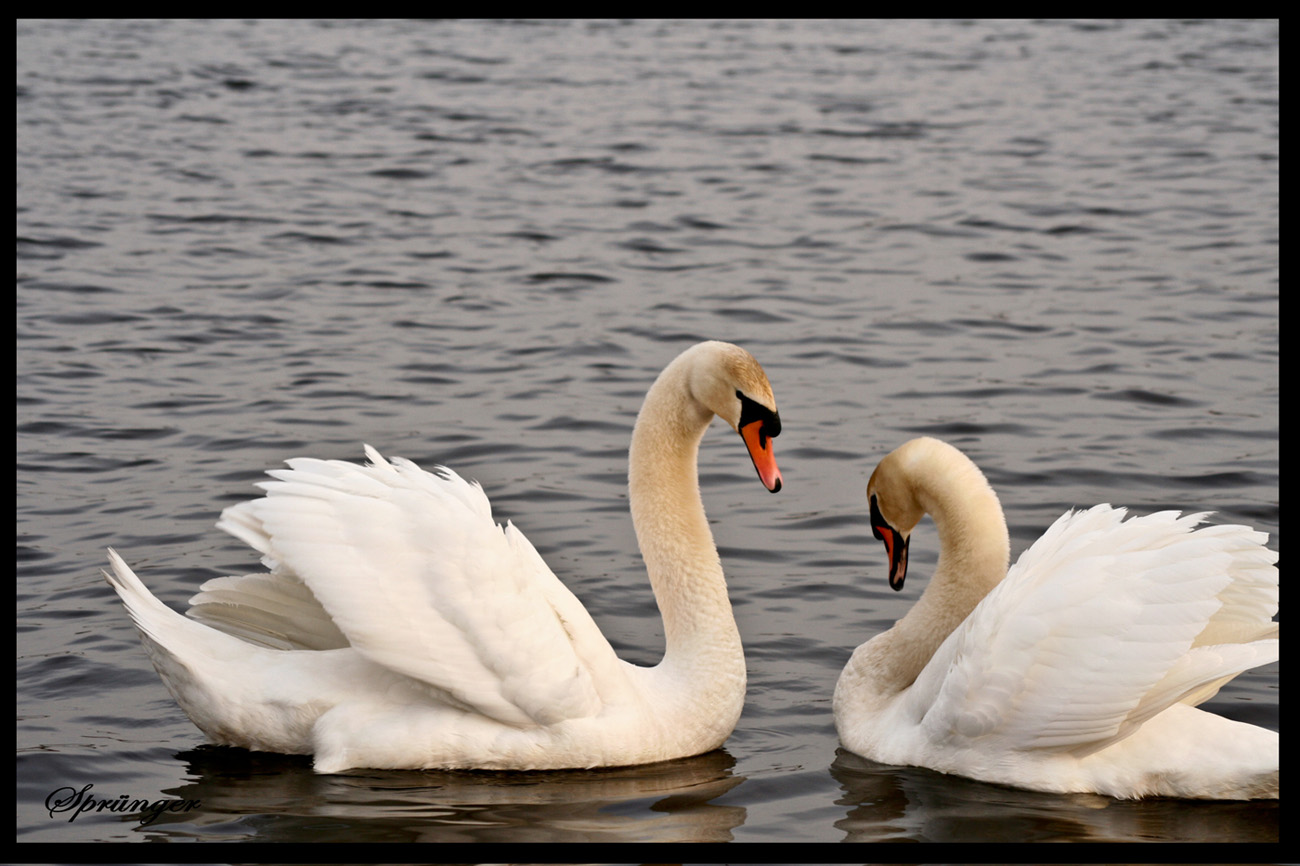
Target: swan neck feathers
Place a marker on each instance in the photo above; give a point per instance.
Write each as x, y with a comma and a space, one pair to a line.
931, 477
667, 510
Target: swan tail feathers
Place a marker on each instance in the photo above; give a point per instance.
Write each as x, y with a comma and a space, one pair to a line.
179, 647
152, 618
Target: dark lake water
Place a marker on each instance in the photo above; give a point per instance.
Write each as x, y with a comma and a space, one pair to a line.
1054, 244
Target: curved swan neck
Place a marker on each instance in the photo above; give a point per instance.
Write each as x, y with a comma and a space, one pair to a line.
974, 546
974, 552
671, 527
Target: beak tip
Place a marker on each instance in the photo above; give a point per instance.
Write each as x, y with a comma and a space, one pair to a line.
760, 452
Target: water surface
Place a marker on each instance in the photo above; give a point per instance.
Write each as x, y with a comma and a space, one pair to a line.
1054, 244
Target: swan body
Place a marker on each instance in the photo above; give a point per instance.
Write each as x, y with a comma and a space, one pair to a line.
400, 627
1078, 670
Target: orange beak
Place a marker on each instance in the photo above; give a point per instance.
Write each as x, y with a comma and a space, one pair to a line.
760, 451
895, 546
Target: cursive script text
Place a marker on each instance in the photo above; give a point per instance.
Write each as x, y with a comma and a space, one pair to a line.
76, 803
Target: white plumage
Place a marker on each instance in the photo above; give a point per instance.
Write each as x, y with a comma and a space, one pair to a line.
1078, 671
399, 626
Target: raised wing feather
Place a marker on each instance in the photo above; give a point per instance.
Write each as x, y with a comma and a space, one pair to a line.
272, 610
1092, 632
415, 574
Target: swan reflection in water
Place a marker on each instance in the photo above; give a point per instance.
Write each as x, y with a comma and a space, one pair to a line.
891, 803
278, 798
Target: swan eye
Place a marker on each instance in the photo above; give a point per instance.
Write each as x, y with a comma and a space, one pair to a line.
751, 411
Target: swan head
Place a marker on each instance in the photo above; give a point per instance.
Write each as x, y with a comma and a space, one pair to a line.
929, 476
727, 381
895, 502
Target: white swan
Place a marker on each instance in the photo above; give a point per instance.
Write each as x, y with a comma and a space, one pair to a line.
400, 627
1077, 670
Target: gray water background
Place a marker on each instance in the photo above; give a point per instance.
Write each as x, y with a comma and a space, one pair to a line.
1052, 243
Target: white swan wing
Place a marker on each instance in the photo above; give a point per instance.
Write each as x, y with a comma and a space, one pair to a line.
412, 570
274, 610
1093, 631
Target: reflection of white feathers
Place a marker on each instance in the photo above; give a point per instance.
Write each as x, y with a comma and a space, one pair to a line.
1081, 668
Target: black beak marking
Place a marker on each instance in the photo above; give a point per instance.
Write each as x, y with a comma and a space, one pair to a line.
751, 411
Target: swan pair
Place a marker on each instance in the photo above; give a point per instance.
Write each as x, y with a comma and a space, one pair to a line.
400, 627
